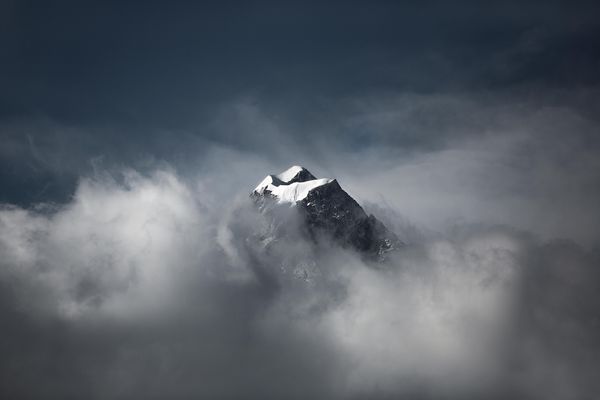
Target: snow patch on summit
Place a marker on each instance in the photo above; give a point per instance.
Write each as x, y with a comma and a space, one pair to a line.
290, 173
279, 187
296, 191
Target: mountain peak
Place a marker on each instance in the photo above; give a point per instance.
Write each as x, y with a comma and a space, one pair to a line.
326, 209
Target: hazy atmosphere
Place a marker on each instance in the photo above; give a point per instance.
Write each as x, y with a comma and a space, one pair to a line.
135, 264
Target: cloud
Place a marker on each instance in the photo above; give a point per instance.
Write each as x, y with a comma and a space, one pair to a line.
511, 157
132, 265
145, 286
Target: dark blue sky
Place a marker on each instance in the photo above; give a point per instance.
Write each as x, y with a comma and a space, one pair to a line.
157, 64
128, 80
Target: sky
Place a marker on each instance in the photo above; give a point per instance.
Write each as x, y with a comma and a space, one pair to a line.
132, 132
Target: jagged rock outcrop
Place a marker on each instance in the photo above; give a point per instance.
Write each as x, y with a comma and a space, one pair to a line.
325, 210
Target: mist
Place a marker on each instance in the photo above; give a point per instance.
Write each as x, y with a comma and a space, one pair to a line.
146, 285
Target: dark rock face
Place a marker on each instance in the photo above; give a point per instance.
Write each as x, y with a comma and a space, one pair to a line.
328, 211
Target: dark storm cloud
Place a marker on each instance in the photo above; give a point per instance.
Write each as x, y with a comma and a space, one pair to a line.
168, 66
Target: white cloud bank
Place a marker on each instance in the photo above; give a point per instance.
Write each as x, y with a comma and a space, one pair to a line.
146, 286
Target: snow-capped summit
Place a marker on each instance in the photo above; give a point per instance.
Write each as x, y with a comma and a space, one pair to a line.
290, 186
326, 209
